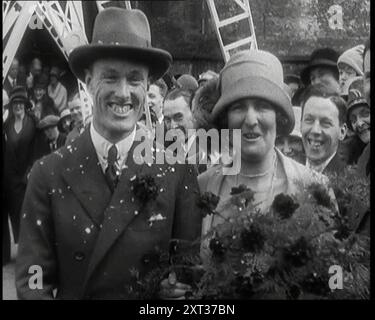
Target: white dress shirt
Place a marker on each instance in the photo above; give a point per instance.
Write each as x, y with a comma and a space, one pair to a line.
102, 146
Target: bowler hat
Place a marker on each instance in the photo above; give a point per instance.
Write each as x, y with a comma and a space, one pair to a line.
324, 57
355, 96
48, 121
254, 74
123, 34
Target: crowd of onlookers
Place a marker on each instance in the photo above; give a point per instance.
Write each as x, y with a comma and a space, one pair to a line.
342, 128
330, 98
39, 116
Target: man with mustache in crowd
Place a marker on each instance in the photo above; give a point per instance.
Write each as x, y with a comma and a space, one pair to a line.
88, 220
179, 116
323, 127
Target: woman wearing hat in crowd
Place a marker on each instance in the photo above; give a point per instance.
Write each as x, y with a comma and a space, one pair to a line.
56, 90
350, 65
65, 122
43, 105
19, 129
358, 115
364, 162
253, 99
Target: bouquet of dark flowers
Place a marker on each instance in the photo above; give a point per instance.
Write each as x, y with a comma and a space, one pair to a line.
292, 251
302, 248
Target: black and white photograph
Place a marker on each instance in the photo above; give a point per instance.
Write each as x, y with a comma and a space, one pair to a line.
203, 150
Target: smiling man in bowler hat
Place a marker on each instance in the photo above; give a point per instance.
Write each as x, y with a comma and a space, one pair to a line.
83, 222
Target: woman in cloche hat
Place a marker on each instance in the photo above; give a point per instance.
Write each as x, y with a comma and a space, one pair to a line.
253, 100
20, 130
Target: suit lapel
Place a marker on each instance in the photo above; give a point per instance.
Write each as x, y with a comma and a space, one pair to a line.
119, 214
84, 175
335, 165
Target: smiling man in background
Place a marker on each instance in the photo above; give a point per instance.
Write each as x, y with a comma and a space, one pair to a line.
323, 126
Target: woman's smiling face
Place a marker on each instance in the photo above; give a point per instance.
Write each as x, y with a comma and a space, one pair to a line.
257, 120
361, 122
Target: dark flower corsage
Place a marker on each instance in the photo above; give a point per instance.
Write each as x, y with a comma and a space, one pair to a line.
320, 194
145, 189
207, 202
284, 205
241, 196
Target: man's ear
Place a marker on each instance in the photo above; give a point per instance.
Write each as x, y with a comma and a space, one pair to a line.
343, 131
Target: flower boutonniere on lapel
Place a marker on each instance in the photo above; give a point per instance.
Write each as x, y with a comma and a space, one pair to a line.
146, 191
145, 188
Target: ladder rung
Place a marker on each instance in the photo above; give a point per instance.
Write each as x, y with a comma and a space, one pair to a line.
241, 4
238, 43
237, 18
100, 4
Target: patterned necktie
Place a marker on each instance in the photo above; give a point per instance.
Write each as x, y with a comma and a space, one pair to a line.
111, 171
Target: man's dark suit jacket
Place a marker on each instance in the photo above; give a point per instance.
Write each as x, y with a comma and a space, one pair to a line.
86, 239
359, 220
336, 165
8, 87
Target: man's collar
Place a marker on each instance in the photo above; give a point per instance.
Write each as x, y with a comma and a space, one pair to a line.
321, 167
102, 146
189, 143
